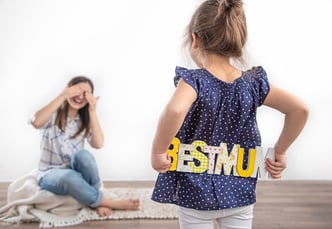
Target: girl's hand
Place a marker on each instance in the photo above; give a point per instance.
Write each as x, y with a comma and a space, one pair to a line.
91, 100
161, 162
275, 168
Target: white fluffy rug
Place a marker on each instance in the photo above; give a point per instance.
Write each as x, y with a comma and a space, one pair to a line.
26, 202
149, 209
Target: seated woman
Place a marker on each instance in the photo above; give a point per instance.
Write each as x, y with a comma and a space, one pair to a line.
65, 167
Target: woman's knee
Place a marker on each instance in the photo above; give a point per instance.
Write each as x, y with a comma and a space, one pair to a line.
82, 157
59, 180
82, 154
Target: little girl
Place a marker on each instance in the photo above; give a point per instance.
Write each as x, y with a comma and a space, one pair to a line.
65, 167
217, 103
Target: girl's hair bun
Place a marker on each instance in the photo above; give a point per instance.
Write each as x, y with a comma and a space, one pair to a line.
230, 3
225, 6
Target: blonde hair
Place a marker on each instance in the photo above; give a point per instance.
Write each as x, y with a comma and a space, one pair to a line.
220, 26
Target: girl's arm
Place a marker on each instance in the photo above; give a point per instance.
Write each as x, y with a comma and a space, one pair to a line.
43, 115
296, 114
169, 123
97, 139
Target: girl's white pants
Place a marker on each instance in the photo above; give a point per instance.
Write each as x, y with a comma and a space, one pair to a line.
234, 218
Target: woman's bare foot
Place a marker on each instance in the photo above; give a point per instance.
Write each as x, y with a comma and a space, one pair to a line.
129, 204
103, 211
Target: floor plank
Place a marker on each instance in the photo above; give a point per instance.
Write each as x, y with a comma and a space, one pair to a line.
280, 204
293, 205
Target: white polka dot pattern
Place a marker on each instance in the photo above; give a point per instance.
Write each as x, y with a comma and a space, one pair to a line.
223, 112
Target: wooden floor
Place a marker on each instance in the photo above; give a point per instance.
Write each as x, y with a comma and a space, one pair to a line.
280, 205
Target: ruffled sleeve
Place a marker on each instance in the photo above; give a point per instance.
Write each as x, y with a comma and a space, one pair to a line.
260, 84
187, 76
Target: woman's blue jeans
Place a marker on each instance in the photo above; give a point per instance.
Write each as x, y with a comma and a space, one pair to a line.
81, 181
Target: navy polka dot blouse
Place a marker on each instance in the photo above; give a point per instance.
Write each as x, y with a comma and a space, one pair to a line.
223, 112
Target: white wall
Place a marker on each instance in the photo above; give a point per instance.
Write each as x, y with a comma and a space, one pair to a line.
130, 50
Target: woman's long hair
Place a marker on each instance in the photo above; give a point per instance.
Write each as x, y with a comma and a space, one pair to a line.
62, 113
